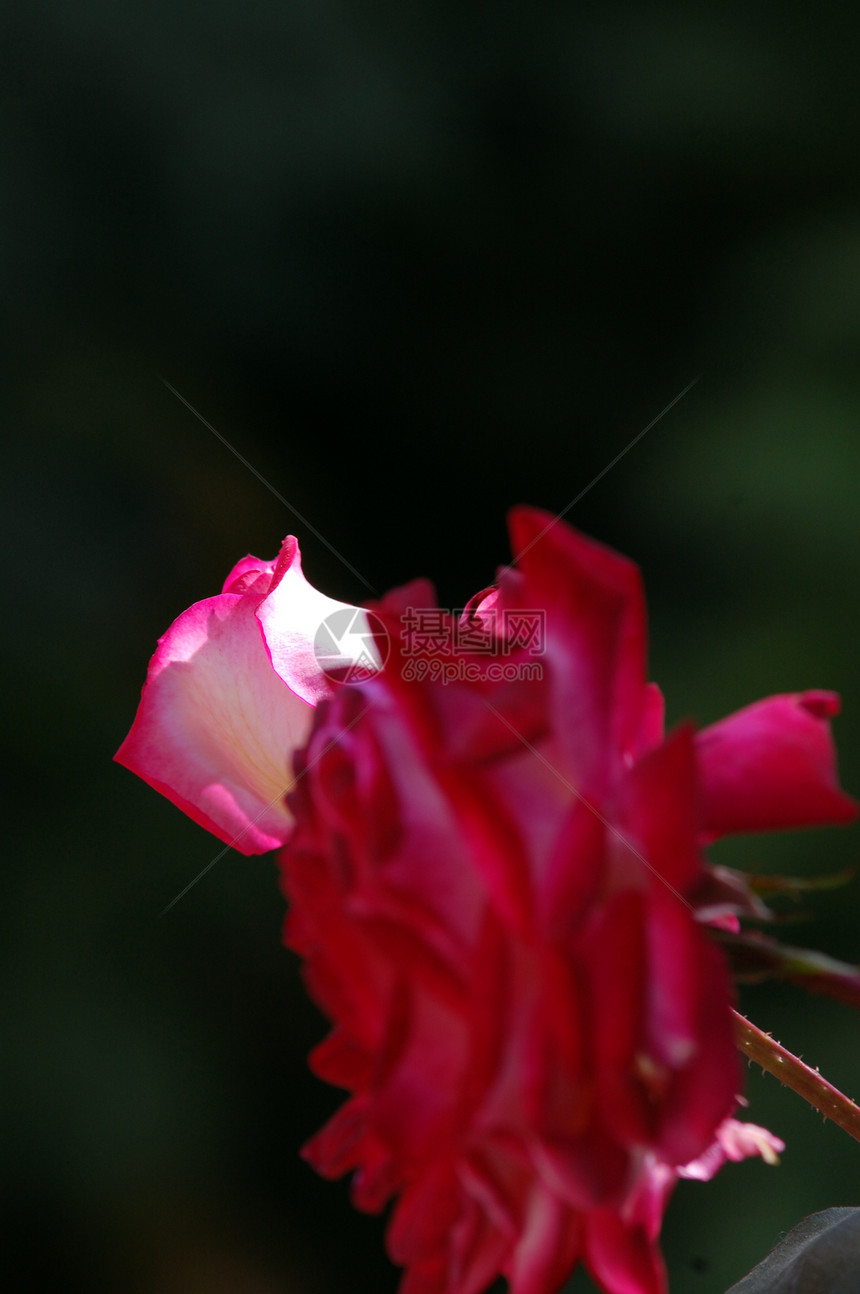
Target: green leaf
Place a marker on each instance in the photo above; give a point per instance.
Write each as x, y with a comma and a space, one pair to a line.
795, 886
821, 1255
756, 957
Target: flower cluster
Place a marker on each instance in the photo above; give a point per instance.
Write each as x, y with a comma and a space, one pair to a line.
495, 883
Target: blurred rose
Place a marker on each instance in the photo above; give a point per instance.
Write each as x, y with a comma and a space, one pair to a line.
491, 880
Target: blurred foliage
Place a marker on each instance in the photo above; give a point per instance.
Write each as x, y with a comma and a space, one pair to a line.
416, 263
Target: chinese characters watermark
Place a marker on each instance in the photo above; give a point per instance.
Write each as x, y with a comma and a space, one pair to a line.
493, 645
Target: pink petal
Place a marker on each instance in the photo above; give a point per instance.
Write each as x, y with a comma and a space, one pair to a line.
772, 765
595, 636
249, 572
216, 727
312, 638
658, 812
548, 1247
652, 721
622, 1257
425, 1214
734, 1141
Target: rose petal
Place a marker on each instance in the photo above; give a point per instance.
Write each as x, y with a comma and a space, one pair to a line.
216, 726
311, 638
595, 636
622, 1257
224, 709
734, 1141
547, 1247
772, 765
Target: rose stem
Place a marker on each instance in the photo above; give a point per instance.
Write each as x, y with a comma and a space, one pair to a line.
792, 1072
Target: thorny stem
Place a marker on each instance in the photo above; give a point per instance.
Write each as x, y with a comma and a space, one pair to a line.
792, 1072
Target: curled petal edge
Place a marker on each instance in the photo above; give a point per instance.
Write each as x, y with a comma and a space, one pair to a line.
771, 766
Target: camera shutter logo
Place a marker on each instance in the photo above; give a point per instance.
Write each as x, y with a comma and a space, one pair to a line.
351, 645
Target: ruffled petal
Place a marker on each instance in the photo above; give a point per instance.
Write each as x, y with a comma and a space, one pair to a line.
216, 727
622, 1256
772, 765
311, 638
547, 1247
733, 1142
595, 637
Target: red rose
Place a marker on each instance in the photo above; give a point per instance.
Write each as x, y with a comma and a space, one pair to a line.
489, 877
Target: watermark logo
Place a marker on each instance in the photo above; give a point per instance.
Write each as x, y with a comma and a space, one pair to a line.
456, 669
351, 645
431, 632
494, 646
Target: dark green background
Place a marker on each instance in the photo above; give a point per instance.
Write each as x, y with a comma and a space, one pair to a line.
416, 262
